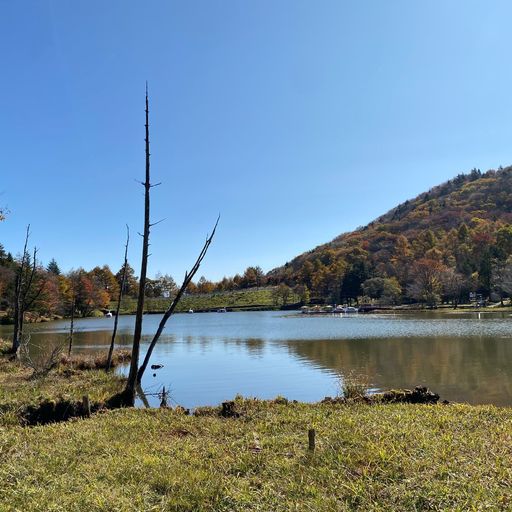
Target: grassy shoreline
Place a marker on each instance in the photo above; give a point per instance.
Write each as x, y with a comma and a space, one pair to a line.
390, 457
379, 457
262, 299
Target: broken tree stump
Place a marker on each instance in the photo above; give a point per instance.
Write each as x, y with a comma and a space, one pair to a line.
228, 410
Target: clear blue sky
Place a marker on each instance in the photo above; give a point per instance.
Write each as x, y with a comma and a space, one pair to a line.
296, 120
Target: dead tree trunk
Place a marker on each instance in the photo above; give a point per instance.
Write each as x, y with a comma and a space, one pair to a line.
24, 285
16, 337
72, 325
120, 297
127, 397
129, 393
26, 300
170, 310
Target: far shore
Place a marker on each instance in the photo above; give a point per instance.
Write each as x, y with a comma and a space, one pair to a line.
295, 308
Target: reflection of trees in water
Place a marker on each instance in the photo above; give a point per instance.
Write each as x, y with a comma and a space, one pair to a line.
85, 342
477, 370
41, 344
253, 345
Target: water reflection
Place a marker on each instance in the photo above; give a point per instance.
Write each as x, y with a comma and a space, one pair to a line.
476, 370
209, 357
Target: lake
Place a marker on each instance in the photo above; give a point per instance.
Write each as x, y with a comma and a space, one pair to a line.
210, 357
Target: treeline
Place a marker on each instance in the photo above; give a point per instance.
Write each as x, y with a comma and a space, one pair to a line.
55, 293
440, 247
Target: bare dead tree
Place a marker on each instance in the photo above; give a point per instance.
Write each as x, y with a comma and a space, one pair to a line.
131, 383
72, 324
120, 297
170, 310
127, 396
25, 293
16, 337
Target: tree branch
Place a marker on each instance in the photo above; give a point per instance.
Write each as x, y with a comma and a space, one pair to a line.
120, 297
170, 310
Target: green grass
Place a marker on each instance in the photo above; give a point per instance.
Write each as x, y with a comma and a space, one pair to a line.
251, 298
18, 390
462, 309
392, 457
370, 458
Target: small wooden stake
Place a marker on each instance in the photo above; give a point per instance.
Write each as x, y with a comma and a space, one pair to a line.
163, 401
256, 447
86, 405
311, 439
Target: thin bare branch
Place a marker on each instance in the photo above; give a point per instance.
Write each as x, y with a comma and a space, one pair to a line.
120, 297
46, 361
29, 303
170, 310
156, 223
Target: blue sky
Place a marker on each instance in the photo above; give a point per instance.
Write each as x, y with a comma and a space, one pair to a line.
296, 120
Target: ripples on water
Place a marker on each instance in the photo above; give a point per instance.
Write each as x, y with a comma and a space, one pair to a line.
211, 357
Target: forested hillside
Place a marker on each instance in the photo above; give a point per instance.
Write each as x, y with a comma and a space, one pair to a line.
450, 241
447, 242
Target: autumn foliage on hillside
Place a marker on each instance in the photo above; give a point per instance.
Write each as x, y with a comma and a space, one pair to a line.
450, 241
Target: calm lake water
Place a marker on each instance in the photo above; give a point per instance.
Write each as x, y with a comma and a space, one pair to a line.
211, 357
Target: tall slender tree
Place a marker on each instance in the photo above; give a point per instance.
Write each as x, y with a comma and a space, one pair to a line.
18, 296
127, 396
129, 392
120, 297
27, 289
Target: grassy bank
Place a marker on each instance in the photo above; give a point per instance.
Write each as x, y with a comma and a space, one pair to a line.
262, 299
380, 457
450, 310
248, 299
392, 457
18, 389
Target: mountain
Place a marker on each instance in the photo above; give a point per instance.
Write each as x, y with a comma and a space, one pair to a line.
441, 245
